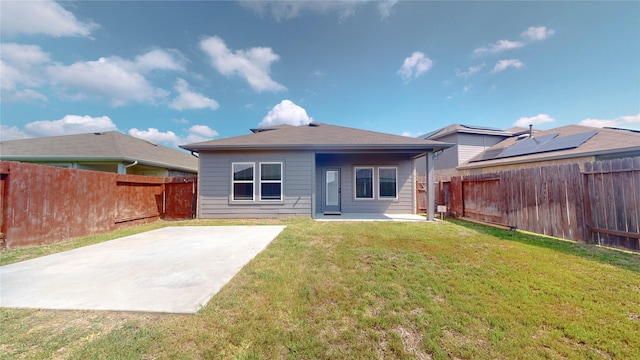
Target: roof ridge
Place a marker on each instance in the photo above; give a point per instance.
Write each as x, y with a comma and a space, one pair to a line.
116, 142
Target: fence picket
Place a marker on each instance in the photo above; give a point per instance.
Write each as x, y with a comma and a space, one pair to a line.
600, 204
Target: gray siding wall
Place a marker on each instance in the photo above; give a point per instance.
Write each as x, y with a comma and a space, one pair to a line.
470, 145
449, 158
215, 185
404, 204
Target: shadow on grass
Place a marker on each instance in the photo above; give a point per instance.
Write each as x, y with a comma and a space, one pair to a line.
620, 259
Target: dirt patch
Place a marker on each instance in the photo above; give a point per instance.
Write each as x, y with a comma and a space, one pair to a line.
411, 340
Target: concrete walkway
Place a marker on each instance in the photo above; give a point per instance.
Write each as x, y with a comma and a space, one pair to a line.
172, 270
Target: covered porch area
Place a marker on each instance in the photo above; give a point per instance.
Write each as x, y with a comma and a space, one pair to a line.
369, 217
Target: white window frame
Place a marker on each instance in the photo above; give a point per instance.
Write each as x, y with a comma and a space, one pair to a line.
355, 183
379, 183
234, 181
281, 181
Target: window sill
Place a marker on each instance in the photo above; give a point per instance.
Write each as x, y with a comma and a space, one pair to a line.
256, 202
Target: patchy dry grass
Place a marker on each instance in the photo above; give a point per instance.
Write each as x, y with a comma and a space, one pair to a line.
375, 290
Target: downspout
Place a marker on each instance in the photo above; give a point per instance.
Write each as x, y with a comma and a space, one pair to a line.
134, 163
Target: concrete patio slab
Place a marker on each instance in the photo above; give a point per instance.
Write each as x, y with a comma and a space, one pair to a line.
172, 270
370, 217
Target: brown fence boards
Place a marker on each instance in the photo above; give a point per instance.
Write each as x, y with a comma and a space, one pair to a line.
614, 188
45, 204
600, 204
180, 197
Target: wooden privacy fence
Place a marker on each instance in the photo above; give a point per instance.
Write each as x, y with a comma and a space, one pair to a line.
44, 204
612, 202
598, 205
442, 194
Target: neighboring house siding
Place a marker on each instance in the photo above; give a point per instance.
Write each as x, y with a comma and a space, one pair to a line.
215, 185
449, 158
346, 162
470, 145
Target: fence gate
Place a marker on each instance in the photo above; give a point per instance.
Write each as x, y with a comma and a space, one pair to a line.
180, 197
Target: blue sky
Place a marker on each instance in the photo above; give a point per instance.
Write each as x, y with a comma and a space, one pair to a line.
180, 72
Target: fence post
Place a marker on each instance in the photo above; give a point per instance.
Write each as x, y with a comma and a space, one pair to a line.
4, 180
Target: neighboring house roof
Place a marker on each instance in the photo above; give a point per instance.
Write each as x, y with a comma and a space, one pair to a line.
103, 146
565, 142
469, 129
318, 136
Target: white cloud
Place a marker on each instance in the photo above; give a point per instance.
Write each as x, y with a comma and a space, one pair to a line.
196, 133
75, 124
537, 33
467, 88
505, 64
105, 77
70, 124
385, 8
20, 65
120, 80
534, 120
533, 33
472, 70
26, 95
41, 17
283, 10
203, 130
319, 74
253, 65
159, 59
286, 112
155, 135
497, 47
187, 99
414, 66
627, 122
12, 133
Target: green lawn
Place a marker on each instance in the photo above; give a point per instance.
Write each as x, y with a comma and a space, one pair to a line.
372, 290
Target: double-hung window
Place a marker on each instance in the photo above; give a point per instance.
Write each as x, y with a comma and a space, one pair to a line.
387, 183
271, 181
364, 182
243, 175
380, 182
262, 182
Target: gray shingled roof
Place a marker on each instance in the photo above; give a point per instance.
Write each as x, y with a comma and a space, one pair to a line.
318, 136
105, 146
469, 129
606, 141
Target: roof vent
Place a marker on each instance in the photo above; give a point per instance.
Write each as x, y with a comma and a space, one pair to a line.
314, 124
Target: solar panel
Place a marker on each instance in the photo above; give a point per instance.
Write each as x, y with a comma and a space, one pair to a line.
566, 142
527, 146
480, 127
489, 155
